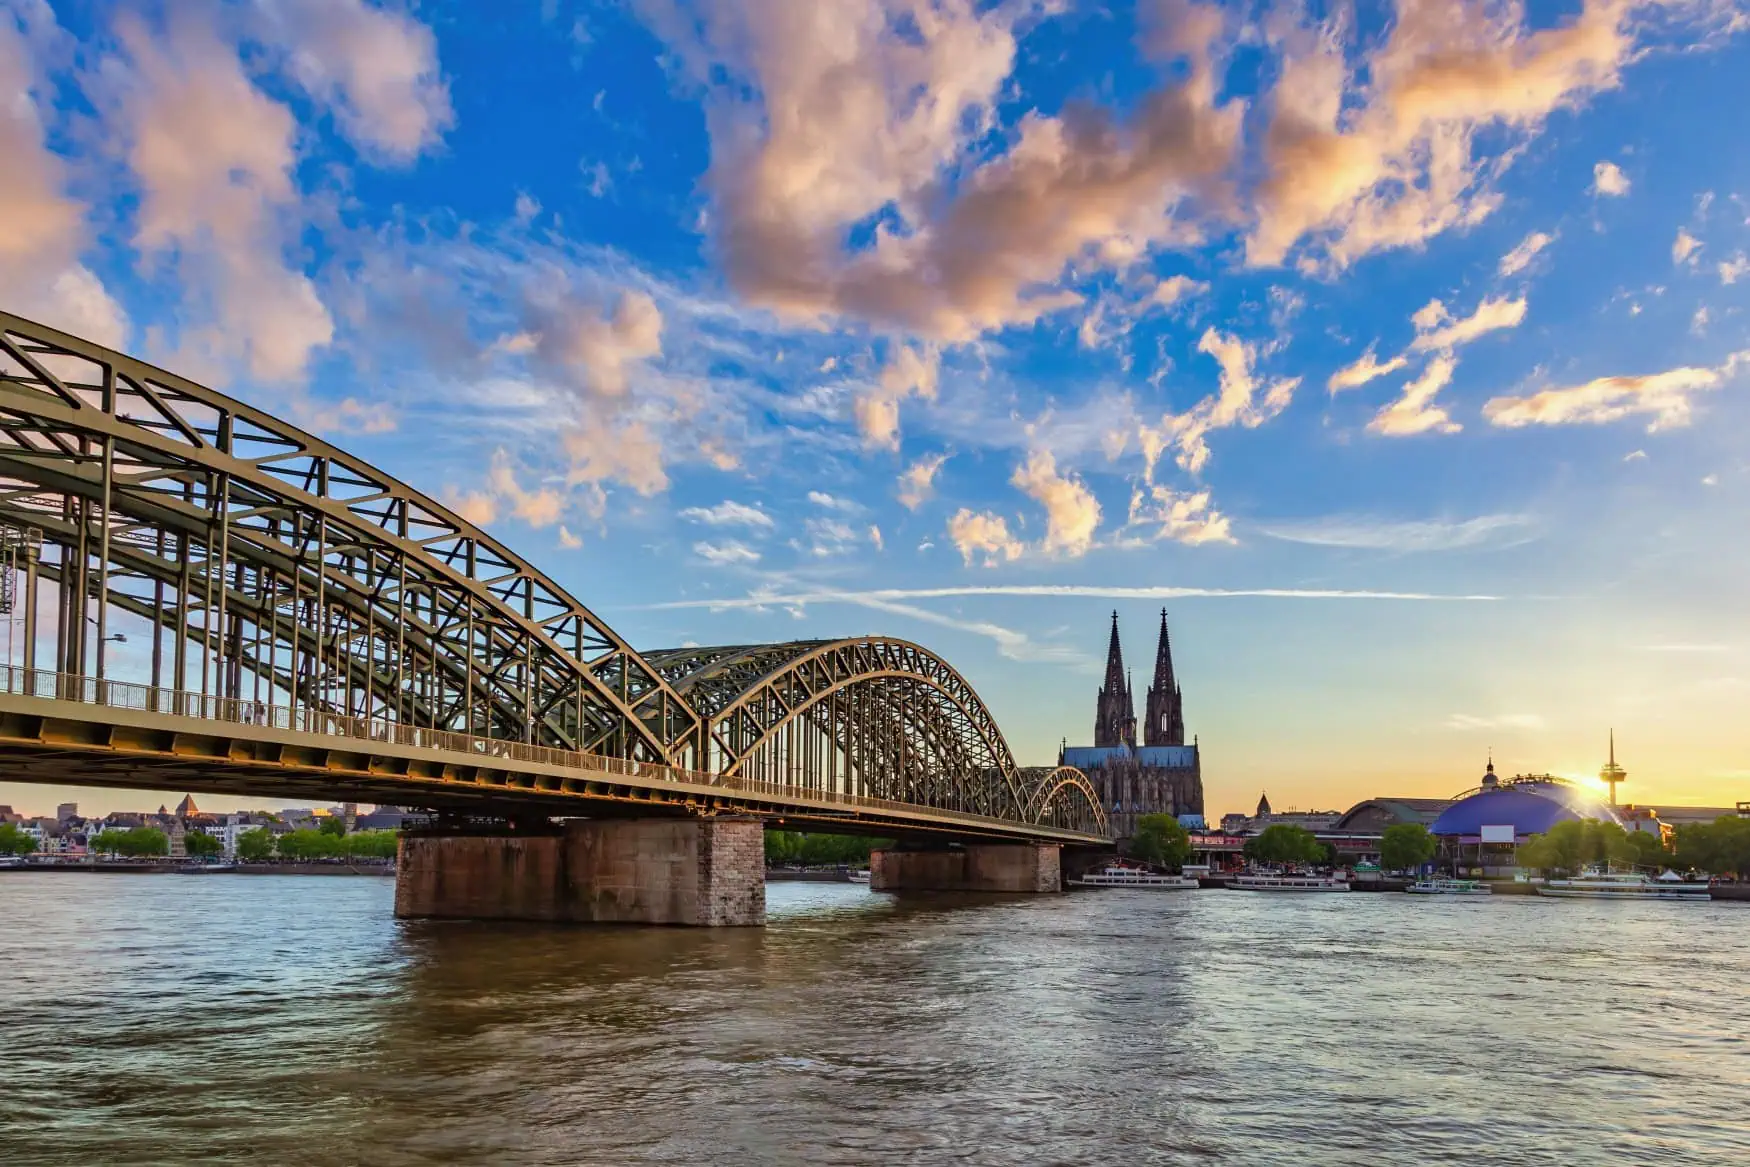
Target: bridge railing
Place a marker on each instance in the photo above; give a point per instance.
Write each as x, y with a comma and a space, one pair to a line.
313, 720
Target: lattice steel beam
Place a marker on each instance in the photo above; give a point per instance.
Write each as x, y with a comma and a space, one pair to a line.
375, 597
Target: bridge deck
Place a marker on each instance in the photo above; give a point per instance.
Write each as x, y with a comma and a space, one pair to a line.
69, 730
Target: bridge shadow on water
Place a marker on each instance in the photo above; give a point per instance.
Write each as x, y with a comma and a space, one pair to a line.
857, 1025
459, 976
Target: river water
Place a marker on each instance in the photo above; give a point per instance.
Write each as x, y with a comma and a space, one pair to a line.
171, 1019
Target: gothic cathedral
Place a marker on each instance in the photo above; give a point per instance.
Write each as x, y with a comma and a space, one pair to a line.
1163, 775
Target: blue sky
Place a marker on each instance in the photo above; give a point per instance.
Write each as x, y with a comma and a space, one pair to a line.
1400, 351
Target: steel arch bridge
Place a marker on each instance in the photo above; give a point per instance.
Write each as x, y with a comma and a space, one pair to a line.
286, 587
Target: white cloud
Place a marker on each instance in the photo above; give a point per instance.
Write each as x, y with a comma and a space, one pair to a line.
596, 353
1174, 289
1608, 179
567, 540
612, 423
918, 482
1523, 722
603, 449
538, 508
982, 534
1684, 248
825, 117
1182, 516
832, 502
349, 415
1415, 411
1520, 257
376, 68
1366, 368
215, 158
1071, 591
1090, 335
1362, 532
729, 513
1437, 331
1698, 323
1235, 403
601, 179
1635, 456
1072, 513
1734, 269
1380, 152
1664, 396
42, 227
907, 372
829, 537
474, 507
725, 554
1011, 643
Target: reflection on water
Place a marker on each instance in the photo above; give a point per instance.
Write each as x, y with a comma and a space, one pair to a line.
217, 1019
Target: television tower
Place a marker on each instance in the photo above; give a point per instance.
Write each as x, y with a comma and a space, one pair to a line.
1612, 773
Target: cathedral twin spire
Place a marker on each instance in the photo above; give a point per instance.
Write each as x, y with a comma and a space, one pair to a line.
1115, 709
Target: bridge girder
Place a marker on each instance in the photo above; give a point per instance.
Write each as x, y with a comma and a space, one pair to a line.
881, 715
1062, 796
274, 569
273, 559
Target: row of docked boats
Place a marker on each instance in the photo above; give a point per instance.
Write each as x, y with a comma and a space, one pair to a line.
1604, 885
1590, 885
1118, 875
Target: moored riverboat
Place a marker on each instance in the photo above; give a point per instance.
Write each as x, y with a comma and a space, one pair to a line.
1595, 885
1295, 883
1430, 886
1116, 875
858, 877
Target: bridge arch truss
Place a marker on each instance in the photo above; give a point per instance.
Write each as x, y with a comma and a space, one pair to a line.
269, 566
872, 716
154, 530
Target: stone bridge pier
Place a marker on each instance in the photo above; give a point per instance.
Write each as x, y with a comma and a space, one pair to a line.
699, 872
992, 867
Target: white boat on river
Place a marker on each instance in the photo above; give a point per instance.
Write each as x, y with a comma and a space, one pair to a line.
1449, 887
1300, 883
1623, 886
1114, 875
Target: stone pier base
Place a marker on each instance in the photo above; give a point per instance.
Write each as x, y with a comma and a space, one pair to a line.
997, 867
703, 872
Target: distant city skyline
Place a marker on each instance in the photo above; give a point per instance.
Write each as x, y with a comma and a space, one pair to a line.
1416, 398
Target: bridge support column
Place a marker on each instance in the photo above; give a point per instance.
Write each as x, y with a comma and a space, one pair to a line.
995, 867
702, 872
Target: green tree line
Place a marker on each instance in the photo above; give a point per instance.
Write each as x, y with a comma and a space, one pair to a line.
13, 840
813, 850
136, 843
260, 844
1283, 843
254, 846
1573, 846
1721, 847
1161, 840
1405, 847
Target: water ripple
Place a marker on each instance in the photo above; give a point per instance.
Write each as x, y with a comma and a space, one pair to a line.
159, 1020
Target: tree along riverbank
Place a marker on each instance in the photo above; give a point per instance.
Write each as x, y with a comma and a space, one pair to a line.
147, 867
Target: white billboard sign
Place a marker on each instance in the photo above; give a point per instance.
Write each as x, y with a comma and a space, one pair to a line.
1498, 834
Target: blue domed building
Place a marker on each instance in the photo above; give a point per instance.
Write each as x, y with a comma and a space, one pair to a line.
1485, 825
